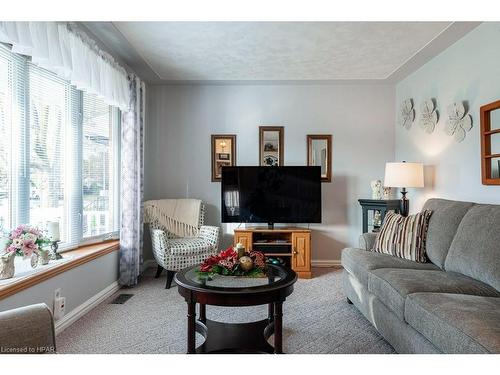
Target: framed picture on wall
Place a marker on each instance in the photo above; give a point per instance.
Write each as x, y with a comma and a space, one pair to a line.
271, 145
319, 153
223, 153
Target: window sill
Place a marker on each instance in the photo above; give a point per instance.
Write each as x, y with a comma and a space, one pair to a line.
78, 257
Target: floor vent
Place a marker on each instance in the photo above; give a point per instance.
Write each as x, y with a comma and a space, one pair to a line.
121, 299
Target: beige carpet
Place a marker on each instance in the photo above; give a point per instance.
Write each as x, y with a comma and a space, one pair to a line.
316, 319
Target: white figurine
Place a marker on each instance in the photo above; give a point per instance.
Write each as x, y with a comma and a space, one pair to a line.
387, 192
377, 219
376, 186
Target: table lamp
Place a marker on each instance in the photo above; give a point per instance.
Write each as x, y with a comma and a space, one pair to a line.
404, 175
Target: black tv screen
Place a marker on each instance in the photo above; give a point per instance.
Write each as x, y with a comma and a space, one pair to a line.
271, 195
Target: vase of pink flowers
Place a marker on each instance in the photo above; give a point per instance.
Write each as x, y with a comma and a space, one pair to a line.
28, 242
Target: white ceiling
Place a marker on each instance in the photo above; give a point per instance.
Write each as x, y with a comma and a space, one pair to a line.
274, 51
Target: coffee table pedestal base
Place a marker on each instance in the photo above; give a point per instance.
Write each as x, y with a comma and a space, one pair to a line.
235, 337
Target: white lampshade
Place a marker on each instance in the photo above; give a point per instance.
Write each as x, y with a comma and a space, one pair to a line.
404, 175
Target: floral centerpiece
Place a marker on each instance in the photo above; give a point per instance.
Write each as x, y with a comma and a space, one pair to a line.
26, 241
228, 263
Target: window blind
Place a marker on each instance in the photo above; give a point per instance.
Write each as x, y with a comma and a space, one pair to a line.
5, 139
49, 122
13, 116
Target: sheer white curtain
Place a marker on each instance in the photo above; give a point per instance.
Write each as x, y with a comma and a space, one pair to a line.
67, 51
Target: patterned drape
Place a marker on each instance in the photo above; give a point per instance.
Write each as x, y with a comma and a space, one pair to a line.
132, 177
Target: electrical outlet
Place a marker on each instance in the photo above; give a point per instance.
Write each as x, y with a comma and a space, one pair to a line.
59, 307
57, 293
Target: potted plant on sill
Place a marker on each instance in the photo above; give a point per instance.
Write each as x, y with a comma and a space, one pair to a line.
28, 242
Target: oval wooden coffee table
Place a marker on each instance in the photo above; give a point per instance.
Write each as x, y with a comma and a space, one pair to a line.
236, 291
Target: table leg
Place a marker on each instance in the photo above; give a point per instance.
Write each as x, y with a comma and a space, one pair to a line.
203, 313
278, 327
271, 312
365, 220
191, 328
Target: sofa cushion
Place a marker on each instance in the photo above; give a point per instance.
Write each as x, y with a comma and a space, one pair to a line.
475, 250
392, 286
404, 236
443, 224
456, 323
358, 262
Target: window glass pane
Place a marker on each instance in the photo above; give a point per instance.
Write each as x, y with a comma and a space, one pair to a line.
48, 98
5, 142
98, 155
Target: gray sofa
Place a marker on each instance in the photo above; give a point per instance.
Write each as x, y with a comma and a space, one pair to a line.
27, 330
450, 304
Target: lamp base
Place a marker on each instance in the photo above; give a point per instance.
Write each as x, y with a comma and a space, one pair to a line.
405, 203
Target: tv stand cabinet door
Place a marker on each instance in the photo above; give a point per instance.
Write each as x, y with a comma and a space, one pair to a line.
301, 252
245, 238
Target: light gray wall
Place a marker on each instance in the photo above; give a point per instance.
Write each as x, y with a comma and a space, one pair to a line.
469, 71
77, 285
181, 119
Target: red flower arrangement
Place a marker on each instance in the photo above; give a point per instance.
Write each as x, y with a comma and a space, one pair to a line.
227, 263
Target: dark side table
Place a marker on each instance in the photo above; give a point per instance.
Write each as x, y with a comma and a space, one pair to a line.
378, 205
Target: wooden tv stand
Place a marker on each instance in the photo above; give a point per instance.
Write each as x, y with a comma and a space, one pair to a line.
293, 244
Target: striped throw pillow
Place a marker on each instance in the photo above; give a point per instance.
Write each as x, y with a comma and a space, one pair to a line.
404, 237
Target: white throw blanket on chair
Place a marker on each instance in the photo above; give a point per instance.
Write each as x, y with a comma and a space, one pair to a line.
179, 216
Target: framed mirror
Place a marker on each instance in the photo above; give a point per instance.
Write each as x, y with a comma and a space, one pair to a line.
319, 153
271, 145
223, 153
490, 143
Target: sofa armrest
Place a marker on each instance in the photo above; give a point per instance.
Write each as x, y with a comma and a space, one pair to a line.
367, 241
27, 330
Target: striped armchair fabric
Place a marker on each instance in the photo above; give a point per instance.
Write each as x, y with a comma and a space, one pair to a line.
174, 253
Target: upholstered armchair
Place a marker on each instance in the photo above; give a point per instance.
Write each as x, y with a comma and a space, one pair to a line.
179, 238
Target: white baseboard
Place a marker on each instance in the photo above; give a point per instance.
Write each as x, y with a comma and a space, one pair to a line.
85, 307
326, 263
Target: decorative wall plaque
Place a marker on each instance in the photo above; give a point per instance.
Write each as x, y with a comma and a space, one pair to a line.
428, 115
458, 122
406, 114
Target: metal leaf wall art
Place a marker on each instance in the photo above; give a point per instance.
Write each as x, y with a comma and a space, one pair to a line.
458, 122
407, 114
428, 116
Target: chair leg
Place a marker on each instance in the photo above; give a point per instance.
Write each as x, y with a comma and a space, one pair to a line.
159, 270
170, 277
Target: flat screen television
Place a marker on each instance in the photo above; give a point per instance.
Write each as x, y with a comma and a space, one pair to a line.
271, 195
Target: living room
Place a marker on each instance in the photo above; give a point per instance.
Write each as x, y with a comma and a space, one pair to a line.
179, 184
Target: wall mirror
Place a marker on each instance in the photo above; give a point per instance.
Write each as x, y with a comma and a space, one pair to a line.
223, 153
319, 153
490, 143
271, 145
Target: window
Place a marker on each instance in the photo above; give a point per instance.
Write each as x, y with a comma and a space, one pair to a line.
59, 154
5, 149
99, 149
48, 123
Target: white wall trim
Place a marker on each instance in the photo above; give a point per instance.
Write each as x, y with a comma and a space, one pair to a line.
85, 307
326, 263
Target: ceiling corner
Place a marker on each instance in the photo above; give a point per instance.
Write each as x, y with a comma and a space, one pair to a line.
445, 39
